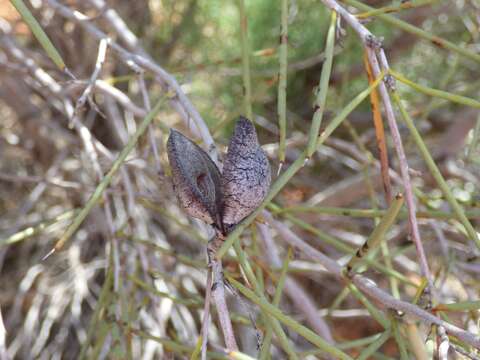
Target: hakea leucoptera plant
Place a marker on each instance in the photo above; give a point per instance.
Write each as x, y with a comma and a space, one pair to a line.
220, 199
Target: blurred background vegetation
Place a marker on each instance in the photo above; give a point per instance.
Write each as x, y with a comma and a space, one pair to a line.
54, 309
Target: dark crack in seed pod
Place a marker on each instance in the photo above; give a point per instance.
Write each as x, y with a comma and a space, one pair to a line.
196, 179
246, 174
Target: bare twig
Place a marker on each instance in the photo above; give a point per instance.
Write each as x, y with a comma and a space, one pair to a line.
91, 151
102, 52
368, 286
206, 314
373, 47
40, 179
444, 344
138, 61
124, 215
117, 23
218, 292
180, 101
120, 97
295, 292
151, 134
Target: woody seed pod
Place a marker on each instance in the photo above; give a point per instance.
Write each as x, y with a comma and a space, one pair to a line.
246, 174
196, 179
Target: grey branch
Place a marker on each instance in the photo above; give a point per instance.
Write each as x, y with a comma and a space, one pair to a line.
372, 46
367, 285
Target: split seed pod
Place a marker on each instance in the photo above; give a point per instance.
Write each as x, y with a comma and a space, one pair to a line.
246, 174
196, 179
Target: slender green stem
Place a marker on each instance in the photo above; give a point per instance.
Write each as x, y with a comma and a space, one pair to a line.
276, 301
123, 338
339, 245
437, 175
34, 230
372, 309
467, 89
284, 178
452, 70
288, 321
378, 233
256, 251
197, 350
421, 288
325, 237
101, 334
388, 264
459, 306
417, 345
345, 345
372, 213
275, 325
374, 201
236, 355
339, 299
194, 300
459, 99
283, 277
402, 346
247, 86
358, 342
374, 346
175, 346
395, 8
282, 82
38, 32
97, 194
185, 226
245, 264
102, 303
337, 120
392, 20
170, 252
322, 90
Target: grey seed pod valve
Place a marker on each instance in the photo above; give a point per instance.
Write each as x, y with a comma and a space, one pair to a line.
220, 199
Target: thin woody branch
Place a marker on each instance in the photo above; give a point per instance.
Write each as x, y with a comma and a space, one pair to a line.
138, 62
368, 286
373, 47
